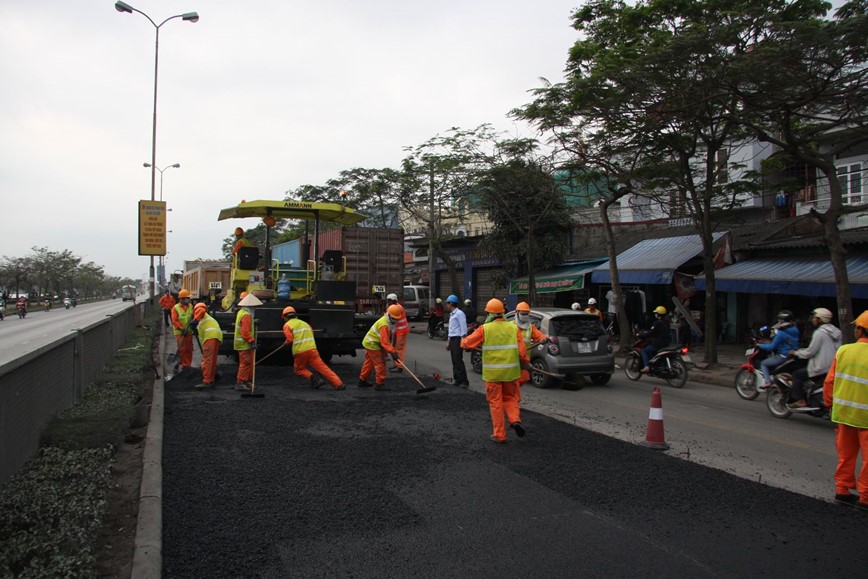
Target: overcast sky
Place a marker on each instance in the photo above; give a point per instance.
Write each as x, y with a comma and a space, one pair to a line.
254, 99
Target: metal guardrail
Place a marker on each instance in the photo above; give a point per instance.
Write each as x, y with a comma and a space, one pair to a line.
50, 379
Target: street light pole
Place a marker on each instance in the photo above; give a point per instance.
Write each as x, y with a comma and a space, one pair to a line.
175, 166
188, 17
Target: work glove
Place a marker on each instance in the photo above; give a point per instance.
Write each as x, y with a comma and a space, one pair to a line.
252, 345
395, 357
527, 366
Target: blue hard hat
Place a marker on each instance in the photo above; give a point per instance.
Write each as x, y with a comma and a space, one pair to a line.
452, 299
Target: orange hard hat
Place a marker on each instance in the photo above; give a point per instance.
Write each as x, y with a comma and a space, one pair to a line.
494, 306
862, 320
522, 307
395, 311
199, 310
239, 231
287, 311
184, 293
242, 296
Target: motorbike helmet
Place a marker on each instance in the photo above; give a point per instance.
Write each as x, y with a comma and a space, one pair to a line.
660, 311
786, 316
395, 312
494, 306
823, 314
576, 306
452, 299
392, 298
592, 302
438, 301
288, 312
467, 302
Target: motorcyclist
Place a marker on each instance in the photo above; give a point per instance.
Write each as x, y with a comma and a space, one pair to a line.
470, 312
659, 335
820, 353
21, 304
576, 306
436, 316
47, 303
786, 339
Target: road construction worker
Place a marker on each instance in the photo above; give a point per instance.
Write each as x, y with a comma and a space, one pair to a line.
167, 302
845, 391
530, 335
240, 241
402, 328
503, 357
592, 308
245, 341
182, 315
304, 352
377, 342
457, 331
210, 338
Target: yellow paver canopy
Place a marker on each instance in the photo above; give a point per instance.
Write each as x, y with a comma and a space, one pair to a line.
328, 212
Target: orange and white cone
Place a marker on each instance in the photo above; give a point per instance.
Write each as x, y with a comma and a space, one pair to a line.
654, 438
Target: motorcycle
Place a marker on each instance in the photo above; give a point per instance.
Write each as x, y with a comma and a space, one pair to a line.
749, 378
74, 302
438, 330
2, 309
67, 303
778, 395
47, 305
668, 364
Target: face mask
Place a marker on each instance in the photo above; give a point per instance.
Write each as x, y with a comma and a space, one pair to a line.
523, 317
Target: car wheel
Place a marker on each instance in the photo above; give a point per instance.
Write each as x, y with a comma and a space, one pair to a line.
476, 361
600, 379
539, 379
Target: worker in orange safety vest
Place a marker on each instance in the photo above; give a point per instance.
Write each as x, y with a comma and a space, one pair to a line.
182, 315
304, 352
402, 328
377, 342
167, 302
529, 333
503, 357
845, 391
210, 338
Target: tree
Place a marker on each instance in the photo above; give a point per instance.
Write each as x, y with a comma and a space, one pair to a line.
803, 86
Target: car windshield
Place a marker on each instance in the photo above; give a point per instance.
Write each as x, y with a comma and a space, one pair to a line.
577, 327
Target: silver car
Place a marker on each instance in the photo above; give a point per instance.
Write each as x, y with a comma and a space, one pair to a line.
578, 344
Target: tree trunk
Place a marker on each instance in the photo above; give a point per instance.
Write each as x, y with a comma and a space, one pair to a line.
623, 323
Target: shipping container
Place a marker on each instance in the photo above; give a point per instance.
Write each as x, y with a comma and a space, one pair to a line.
373, 256
288, 254
201, 279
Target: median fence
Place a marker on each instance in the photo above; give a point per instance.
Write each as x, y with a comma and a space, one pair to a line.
46, 381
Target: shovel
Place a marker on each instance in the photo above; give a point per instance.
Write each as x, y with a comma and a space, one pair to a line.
422, 388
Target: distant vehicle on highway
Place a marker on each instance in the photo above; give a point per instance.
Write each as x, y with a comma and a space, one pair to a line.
578, 344
128, 293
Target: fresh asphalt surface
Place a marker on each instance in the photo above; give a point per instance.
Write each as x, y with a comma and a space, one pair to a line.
318, 483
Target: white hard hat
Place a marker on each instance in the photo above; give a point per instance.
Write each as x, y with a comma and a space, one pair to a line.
392, 297
592, 302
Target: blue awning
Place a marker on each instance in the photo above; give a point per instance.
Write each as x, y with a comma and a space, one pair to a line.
653, 261
802, 276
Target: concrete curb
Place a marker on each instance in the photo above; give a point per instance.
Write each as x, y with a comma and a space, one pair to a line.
148, 554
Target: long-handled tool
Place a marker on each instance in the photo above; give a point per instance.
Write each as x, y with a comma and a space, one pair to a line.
547, 373
422, 388
272, 353
253, 393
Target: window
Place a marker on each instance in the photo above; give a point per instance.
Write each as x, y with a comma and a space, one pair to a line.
850, 180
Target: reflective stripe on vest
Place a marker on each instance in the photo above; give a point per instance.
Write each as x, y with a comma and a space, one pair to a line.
850, 393
402, 326
209, 329
500, 362
240, 343
371, 340
302, 336
184, 317
528, 336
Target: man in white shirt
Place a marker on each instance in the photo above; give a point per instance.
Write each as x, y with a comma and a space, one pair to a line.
457, 331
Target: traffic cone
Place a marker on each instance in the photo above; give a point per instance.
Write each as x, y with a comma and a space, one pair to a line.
654, 438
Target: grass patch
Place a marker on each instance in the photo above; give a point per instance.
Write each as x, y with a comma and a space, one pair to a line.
51, 511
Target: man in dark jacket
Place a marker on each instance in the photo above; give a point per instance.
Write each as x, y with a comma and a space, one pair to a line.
659, 334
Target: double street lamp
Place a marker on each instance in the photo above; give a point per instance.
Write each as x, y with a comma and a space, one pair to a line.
162, 271
189, 17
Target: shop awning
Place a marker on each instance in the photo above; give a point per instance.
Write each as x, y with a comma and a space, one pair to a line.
560, 279
802, 276
653, 261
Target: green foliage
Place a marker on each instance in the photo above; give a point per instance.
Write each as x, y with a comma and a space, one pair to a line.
51, 511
